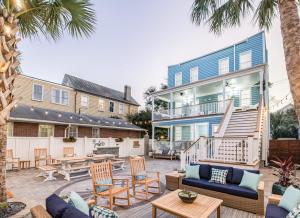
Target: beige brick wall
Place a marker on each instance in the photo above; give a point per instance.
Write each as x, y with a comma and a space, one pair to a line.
24, 87
93, 106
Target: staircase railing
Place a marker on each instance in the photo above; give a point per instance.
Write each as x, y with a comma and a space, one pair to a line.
225, 119
243, 150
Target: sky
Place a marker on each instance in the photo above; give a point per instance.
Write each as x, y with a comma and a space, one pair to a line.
134, 43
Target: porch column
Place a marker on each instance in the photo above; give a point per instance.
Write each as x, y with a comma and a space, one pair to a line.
261, 80
194, 110
224, 89
171, 137
171, 105
152, 137
152, 108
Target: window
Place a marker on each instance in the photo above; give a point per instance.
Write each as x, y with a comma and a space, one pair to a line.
101, 105
10, 129
224, 66
194, 74
121, 108
84, 101
60, 96
201, 130
72, 131
178, 79
215, 128
45, 130
178, 133
95, 133
37, 92
111, 106
245, 60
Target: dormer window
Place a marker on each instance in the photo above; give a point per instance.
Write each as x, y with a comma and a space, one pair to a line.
194, 74
178, 79
224, 66
245, 59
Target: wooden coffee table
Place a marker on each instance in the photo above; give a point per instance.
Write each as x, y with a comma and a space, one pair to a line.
202, 207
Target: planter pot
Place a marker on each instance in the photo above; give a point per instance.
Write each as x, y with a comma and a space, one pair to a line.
278, 189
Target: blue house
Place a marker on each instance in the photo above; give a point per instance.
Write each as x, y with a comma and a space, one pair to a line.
220, 100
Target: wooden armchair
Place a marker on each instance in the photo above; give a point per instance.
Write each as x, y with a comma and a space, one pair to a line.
104, 185
11, 160
41, 155
69, 152
140, 177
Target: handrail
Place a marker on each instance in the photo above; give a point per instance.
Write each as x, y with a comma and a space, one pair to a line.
258, 119
224, 116
192, 144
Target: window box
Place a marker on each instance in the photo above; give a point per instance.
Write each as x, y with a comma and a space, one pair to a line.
69, 139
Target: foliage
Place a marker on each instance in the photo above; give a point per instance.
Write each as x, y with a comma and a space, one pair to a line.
115, 117
157, 102
284, 124
69, 139
228, 13
119, 140
284, 170
53, 17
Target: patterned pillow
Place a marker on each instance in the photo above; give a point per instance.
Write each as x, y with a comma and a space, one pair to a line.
295, 212
101, 212
218, 176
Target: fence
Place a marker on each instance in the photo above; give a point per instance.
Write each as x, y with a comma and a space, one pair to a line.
23, 147
284, 149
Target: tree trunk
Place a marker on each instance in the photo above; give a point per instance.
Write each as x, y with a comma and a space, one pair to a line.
8, 71
290, 30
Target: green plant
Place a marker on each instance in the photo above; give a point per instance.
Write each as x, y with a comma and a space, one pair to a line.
119, 140
69, 139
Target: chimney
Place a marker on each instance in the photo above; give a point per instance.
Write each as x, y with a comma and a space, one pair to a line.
127, 92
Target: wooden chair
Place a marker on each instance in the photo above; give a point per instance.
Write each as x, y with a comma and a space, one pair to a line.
11, 160
69, 152
41, 154
138, 169
102, 177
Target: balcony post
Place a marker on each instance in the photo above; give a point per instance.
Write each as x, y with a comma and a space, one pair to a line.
261, 80
152, 137
152, 114
171, 105
171, 137
224, 90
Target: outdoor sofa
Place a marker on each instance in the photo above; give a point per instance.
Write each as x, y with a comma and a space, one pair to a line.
231, 193
273, 210
165, 153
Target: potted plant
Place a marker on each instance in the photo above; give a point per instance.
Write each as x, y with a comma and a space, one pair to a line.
187, 196
284, 170
69, 139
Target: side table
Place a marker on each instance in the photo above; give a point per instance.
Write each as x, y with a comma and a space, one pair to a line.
172, 180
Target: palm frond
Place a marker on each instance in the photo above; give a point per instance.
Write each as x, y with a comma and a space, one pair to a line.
265, 13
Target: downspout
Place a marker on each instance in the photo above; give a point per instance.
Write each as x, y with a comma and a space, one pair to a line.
75, 101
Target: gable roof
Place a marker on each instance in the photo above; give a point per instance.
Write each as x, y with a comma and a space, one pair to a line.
95, 89
41, 115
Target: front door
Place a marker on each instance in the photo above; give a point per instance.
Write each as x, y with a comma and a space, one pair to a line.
201, 130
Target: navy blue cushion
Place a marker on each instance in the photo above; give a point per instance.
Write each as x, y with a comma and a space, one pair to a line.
71, 211
231, 189
55, 206
273, 211
229, 174
165, 151
204, 170
238, 175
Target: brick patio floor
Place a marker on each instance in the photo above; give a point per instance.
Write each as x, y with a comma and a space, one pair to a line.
31, 190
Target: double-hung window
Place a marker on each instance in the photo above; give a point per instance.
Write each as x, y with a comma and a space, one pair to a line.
37, 92
72, 131
245, 59
121, 108
194, 74
95, 132
46, 130
84, 101
111, 106
224, 66
60, 96
178, 79
101, 104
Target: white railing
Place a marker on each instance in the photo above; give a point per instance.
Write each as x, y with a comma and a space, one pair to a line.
23, 147
226, 119
176, 145
226, 149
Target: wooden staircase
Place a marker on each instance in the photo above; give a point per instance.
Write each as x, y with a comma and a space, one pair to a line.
242, 124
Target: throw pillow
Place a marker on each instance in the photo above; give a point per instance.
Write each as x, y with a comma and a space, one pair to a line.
218, 176
250, 180
101, 212
290, 198
103, 182
295, 212
192, 171
76, 201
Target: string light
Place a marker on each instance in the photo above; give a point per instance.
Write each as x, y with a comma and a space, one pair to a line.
46, 112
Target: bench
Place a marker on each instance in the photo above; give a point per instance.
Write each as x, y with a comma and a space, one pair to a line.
47, 172
118, 164
67, 172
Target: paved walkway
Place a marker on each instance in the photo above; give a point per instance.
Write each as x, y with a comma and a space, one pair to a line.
33, 191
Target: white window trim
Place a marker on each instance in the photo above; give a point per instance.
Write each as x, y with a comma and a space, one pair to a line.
201, 124
32, 96
88, 100
103, 109
178, 73
52, 126
60, 95
98, 132
120, 108
243, 53
66, 131
212, 128
113, 107
191, 75
219, 65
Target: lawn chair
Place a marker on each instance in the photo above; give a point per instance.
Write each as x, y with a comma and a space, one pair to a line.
104, 185
69, 152
140, 177
11, 160
41, 155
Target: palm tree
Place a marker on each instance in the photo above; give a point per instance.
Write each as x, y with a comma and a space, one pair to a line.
28, 19
228, 13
